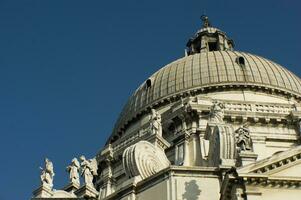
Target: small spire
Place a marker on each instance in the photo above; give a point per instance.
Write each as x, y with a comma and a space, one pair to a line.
206, 22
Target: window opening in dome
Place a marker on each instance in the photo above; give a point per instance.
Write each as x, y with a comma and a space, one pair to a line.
241, 61
148, 83
212, 46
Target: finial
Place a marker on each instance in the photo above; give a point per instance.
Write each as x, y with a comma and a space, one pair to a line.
205, 20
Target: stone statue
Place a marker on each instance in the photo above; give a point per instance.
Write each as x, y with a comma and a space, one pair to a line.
243, 139
155, 123
217, 112
88, 170
205, 20
47, 174
73, 170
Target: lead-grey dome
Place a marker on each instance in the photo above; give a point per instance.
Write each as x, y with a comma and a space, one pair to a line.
202, 71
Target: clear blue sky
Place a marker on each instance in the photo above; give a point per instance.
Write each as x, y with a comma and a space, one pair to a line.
67, 67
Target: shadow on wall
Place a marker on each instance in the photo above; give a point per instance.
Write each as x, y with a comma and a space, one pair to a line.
192, 191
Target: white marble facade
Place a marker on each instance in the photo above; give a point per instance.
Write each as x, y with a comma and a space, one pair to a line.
215, 124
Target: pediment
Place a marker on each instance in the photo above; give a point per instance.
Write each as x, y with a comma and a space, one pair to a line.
283, 164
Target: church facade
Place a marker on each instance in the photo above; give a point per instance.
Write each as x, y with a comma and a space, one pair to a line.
217, 124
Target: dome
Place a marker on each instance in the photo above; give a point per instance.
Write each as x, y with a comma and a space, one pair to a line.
201, 72
210, 63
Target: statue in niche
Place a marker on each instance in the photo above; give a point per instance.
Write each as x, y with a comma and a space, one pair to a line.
217, 112
88, 170
155, 123
243, 139
73, 170
47, 174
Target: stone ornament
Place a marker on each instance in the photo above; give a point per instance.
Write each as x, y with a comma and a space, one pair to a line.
47, 174
155, 123
243, 139
144, 159
206, 22
222, 149
88, 170
73, 170
216, 114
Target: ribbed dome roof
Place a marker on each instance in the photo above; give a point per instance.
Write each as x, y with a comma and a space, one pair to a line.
209, 70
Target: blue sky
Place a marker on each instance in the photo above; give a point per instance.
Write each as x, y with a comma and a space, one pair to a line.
67, 67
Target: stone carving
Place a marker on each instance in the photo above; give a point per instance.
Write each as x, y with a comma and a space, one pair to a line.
243, 139
205, 20
47, 174
217, 112
88, 170
73, 170
144, 159
155, 123
222, 149
187, 104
